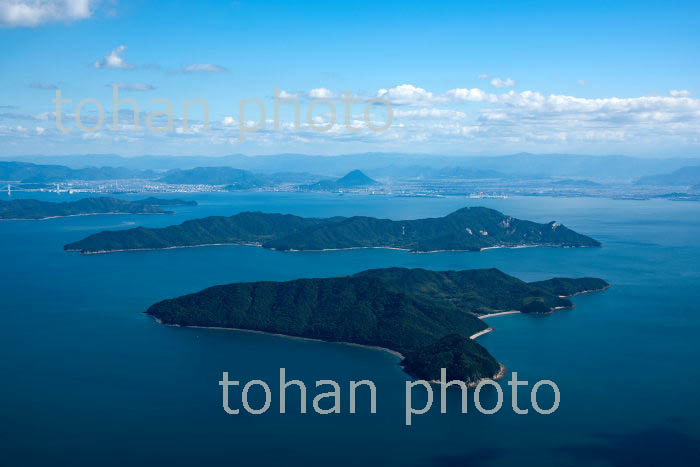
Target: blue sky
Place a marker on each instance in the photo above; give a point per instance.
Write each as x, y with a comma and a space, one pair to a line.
460, 77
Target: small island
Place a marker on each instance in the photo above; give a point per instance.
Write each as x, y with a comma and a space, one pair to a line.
429, 317
33, 209
467, 229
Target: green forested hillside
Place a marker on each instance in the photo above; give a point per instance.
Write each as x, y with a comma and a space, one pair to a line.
466, 229
396, 308
35, 209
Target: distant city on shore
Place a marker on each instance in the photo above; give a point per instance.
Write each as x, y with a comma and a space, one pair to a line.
393, 174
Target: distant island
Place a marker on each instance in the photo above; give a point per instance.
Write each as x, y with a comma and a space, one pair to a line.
33, 209
354, 179
468, 229
428, 317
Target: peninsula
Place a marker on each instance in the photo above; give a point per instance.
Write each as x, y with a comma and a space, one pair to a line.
33, 209
426, 316
467, 229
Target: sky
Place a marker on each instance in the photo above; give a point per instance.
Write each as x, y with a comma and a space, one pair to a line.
454, 78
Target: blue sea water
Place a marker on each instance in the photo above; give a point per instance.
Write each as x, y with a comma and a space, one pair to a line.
88, 379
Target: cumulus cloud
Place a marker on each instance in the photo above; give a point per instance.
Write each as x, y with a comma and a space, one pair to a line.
321, 93
483, 120
204, 68
680, 93
132, 86
407, 94
503, 83
113, 60
32, 13
467, 95
287, 95
428, 113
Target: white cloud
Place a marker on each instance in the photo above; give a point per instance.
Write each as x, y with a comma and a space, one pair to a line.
467, 95
287, 95
32, 13
204, 68
431, 113
500, 83
321, 93
132, 86
407, 94
113, 60
680, 93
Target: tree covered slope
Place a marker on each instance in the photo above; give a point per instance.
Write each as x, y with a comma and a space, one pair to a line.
406, 310
472, 229
35, 209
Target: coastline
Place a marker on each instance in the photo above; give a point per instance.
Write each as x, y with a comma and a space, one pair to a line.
102, 252
501, 372
472, 384
257, 244
499, 313
83, 214
287, 336
586, 291
481, 333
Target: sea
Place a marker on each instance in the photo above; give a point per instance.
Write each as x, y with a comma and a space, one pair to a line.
87, 379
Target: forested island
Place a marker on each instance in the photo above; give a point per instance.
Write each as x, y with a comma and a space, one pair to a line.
33, 209
467, 229
427, 316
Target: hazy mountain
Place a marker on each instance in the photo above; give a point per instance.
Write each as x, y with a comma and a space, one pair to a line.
33, 173
521, 165
236, 178
576, 183
685, 176
426, 172
353, 179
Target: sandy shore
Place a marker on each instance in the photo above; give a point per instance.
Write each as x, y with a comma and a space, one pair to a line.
481, 333
497, 376
100, 252
84, 214
475, 250
374, 347
500, 313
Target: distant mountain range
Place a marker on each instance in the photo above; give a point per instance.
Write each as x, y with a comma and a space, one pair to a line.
354, 179
33, 173
469, 229
235, 178
685, 176
519, 165
576, 183
428, 316
20, 209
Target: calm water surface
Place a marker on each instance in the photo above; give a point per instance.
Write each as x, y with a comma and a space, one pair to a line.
87, 379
